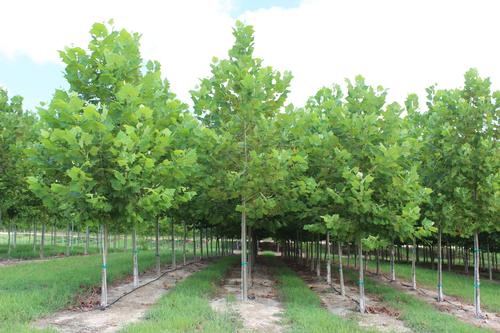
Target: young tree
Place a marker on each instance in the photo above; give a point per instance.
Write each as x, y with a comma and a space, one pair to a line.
240, 101
462, 137
104, 139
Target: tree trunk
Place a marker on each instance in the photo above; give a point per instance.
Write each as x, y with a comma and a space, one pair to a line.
413, 266
341, 271
244, 253
14, 240
42, 242
393, 270
34, 238
201, 243
184, 245
378, 261
136, 264
328, 260
67, 241
157, 247
8, 239
466, 260
361, 281
318, 257
104, 271
490, 272
440, 268
174, 263
87, 240
125, 241
194, 244
477, 294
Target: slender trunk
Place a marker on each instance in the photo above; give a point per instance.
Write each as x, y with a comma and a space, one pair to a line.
184, 245
440, 268
413, 266
378, 261
244, 253
67, 241
14, 241
361, 281
134, 251
328, 260
34, 237
207, 252
477, 298
125, 241
157, 247
194, 244
201, 243
341, 272
104, 271
8, 239
490, 272
466, 260
87, 240
174, 264
318, 257
114, 242
42, 242
250, 258
393, 271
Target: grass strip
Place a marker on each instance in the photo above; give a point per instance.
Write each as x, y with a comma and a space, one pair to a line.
454, 284
32, 290
303, 310
417, 314
186, 307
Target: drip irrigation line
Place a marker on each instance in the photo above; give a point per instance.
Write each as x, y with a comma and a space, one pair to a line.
102, 308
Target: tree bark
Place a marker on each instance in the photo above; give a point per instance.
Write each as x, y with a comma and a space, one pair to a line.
413, 266
393, 270
135, 263
184, 245
42, 242
243, 253
341, 271
174, 263
104, 282
157, 247
440, 268
328, 260
361, 281
87, 240
477, 294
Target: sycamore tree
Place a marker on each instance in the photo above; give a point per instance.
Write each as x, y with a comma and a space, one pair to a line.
17, 133
462, 143
102, 137
240, 101
372, 186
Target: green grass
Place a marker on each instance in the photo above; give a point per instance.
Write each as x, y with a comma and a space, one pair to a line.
303, 310
453, 283
29, 291
416, 313
25, 251
186, 307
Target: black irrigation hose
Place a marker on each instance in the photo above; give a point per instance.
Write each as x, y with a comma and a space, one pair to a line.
102, 308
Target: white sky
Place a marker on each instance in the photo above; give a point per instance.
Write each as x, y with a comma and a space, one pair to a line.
404, 45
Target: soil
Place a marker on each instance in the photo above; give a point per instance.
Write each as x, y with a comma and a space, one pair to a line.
451, 305
87, 317
378, 315
262, 312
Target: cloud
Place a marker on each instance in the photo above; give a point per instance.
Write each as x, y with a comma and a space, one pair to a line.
402, 45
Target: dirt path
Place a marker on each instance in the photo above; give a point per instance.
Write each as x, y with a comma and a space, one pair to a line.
451, 305
379, 316
262, 312
127, 310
